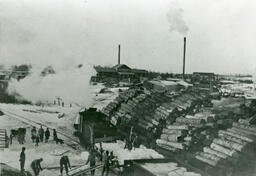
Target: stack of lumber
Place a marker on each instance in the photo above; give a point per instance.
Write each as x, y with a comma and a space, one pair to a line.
167, 168
123, 97
234, 145
173, 137
187, 131
126, 110
190, 121
3, 138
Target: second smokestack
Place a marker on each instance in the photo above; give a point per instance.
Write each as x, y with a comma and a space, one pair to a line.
184, 58
119, 48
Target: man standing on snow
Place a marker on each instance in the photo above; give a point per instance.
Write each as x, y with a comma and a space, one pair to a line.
36, 166
92, 160
47, 134
64, 162
41, 133
22, 159
55, 137
105, 164
33, 134
37, 140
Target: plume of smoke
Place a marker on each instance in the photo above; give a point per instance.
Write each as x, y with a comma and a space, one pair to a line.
71, 85
176, 21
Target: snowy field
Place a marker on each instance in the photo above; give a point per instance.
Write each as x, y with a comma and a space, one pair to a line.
47, 115
50, 152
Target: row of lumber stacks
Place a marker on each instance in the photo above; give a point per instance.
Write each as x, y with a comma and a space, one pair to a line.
182, 132
233, 147
125, 114
146, 123
167, 112
113, 106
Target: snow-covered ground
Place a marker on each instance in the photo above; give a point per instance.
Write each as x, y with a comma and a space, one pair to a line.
101, 100
50, 152
47, 115
124, 154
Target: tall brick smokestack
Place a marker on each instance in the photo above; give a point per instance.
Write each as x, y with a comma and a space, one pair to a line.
184, 58
119, 54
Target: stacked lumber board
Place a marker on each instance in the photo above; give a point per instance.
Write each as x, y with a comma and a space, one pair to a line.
232, 147
187, 131
3, 138
149, 112
172, 137
123, 97
126, 111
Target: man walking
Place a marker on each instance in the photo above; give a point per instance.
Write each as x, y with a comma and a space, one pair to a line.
37, 140
47, 134
55, 137
105, 164
22, 159
33, 134
36, 166
41, 133
64, 162
92, 160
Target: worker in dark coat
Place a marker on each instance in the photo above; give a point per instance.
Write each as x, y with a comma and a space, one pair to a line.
11, 136
47, 134
135, 142
64, 162
105, 164
55, 137
33, 134
36, 166
37, 140
92, 160
101, 151
22, 159
41, 133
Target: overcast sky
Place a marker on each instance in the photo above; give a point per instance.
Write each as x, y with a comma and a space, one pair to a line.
221, 34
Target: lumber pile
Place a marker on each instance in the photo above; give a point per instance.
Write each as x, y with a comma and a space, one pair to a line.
234, 146
191, 132
150, 113
126, 109
123, 97
167, 168
3, 138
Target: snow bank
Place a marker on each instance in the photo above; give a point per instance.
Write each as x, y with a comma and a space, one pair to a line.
124, 154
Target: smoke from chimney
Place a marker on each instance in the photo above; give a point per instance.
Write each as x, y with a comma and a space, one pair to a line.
176, 21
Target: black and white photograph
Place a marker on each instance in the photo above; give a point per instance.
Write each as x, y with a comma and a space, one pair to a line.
127, 88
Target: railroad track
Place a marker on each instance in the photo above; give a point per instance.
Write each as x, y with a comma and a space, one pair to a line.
69, 140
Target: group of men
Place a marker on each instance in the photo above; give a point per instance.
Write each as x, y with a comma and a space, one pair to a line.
20, 133
40, 135
107, 160
36, 164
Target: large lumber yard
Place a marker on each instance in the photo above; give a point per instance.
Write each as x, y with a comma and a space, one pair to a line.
179, 100
205, 126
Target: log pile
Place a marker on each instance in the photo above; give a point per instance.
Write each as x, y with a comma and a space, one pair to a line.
150, 112
123, 97
234, 146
